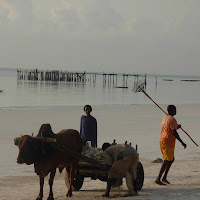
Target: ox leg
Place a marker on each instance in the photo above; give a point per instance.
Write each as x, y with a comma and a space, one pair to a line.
40, 196
52, 175
71, 174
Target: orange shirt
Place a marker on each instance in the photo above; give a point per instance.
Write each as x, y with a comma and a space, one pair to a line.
168, 124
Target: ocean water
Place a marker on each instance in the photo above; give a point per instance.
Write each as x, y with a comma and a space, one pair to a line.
162, 89
37, 94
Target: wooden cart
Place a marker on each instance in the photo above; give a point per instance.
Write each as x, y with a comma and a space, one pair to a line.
85, 169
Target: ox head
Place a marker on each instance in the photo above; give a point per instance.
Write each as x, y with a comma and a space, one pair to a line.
30, 149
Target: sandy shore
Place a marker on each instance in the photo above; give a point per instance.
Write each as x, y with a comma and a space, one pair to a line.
137, 124
184, 177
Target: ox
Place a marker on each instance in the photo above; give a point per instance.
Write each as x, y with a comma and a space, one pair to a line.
46, 158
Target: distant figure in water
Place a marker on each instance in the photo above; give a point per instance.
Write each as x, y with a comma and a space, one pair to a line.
88, 129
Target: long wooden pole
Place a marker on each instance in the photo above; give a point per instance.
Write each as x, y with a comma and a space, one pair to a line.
166, 113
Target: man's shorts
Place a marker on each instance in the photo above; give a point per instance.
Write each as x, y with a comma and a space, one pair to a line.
167, 152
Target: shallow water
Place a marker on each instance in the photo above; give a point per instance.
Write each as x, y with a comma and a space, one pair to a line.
19, 93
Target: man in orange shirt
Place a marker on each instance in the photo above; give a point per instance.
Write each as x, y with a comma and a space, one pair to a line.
167, 143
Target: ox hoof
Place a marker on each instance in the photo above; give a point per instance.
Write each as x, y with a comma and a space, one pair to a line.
69, 194
39, 198
50, 198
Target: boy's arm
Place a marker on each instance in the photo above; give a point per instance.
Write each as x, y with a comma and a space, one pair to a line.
108, 158
95, 133
176, 135
81, 124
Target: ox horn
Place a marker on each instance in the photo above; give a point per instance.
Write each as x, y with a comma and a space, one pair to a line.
16, 141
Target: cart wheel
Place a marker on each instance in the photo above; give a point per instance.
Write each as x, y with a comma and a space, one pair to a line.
139, 180
140, 176
78, 181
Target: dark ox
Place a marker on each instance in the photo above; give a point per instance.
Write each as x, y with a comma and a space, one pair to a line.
46, 158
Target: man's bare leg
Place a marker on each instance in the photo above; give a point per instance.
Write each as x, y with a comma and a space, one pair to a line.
110, 181
162, 169
164, 179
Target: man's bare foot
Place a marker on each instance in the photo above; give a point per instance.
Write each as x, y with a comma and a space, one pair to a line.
130, 194
105, 195
159, 182
165, 181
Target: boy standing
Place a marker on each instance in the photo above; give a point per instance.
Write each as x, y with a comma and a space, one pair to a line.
167, 143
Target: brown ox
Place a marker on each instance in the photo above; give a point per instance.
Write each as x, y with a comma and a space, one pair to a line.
47, 158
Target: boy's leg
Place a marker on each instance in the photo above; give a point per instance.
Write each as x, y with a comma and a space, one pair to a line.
131, 179
168, 157
164, 179
133, 172
162, 169
110, 181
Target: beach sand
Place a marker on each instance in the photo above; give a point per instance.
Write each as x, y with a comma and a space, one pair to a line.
137, 124
184, 177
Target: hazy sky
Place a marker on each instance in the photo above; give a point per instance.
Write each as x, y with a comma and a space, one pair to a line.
133, 36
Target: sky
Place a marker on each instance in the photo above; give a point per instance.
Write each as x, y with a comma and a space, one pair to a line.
130, 36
